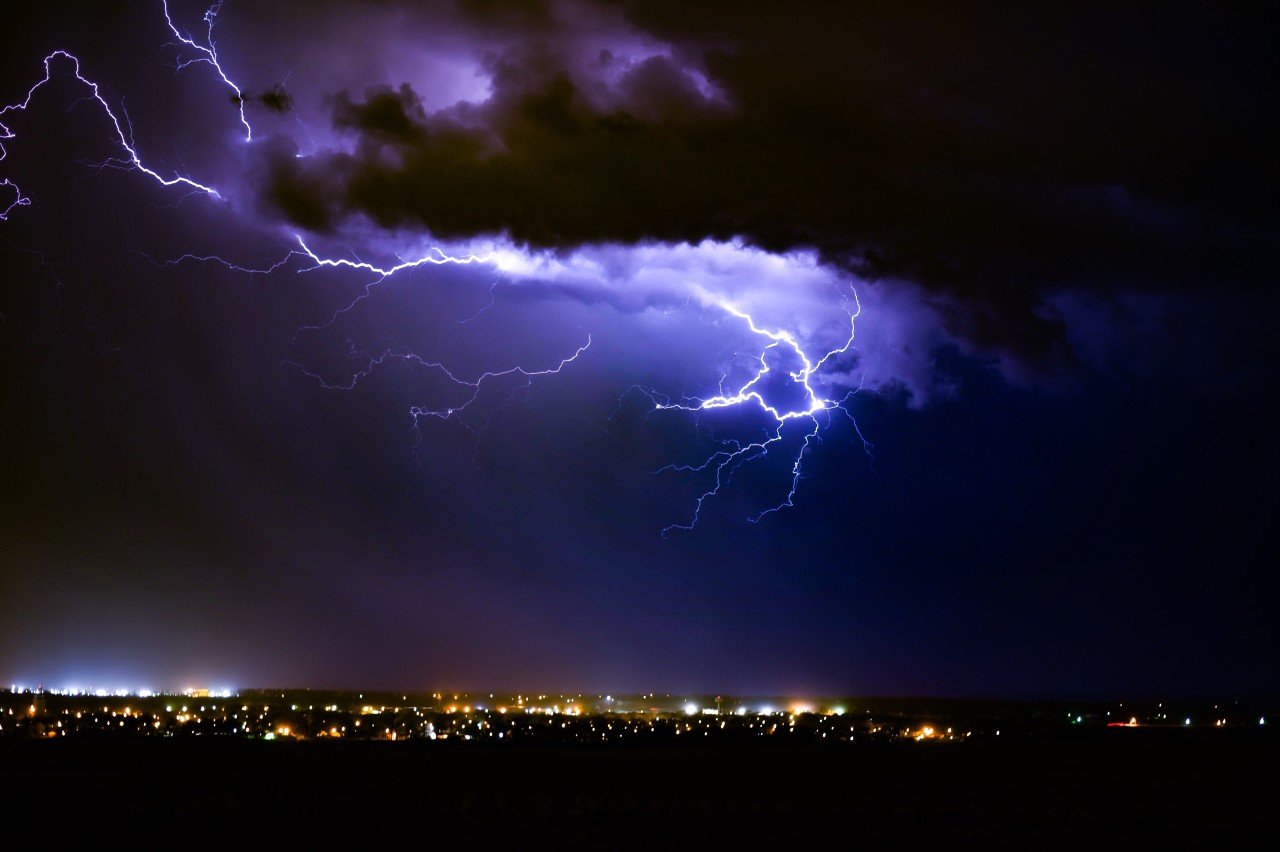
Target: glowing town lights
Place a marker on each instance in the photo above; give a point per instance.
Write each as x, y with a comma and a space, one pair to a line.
690, 709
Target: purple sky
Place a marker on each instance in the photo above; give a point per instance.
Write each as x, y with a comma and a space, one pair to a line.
1057, 235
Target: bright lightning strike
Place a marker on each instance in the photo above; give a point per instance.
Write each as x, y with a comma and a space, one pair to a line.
813, 409
208, 54
436, 257
808, 407
471, 387
131, 159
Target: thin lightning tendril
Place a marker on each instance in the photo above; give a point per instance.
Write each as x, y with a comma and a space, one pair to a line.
475, 385
209, 55
436, 257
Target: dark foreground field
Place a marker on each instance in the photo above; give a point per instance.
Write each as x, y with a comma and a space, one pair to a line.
1133, 785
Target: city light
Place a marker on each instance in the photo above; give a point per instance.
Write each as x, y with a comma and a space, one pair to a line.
302, 715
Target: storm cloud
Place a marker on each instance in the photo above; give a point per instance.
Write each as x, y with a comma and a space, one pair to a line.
993, 157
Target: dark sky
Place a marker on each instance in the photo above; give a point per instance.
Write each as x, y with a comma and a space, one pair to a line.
1061, 230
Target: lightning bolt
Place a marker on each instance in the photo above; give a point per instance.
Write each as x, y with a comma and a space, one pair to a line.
434, 257
208, 54
394, 353
131, 159
815, 411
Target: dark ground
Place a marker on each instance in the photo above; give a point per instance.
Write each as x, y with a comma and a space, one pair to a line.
1137, 786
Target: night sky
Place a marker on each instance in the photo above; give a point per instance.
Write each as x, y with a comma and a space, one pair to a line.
1061, 228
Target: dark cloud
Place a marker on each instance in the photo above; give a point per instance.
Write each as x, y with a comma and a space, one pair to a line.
276, 99
993, 156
